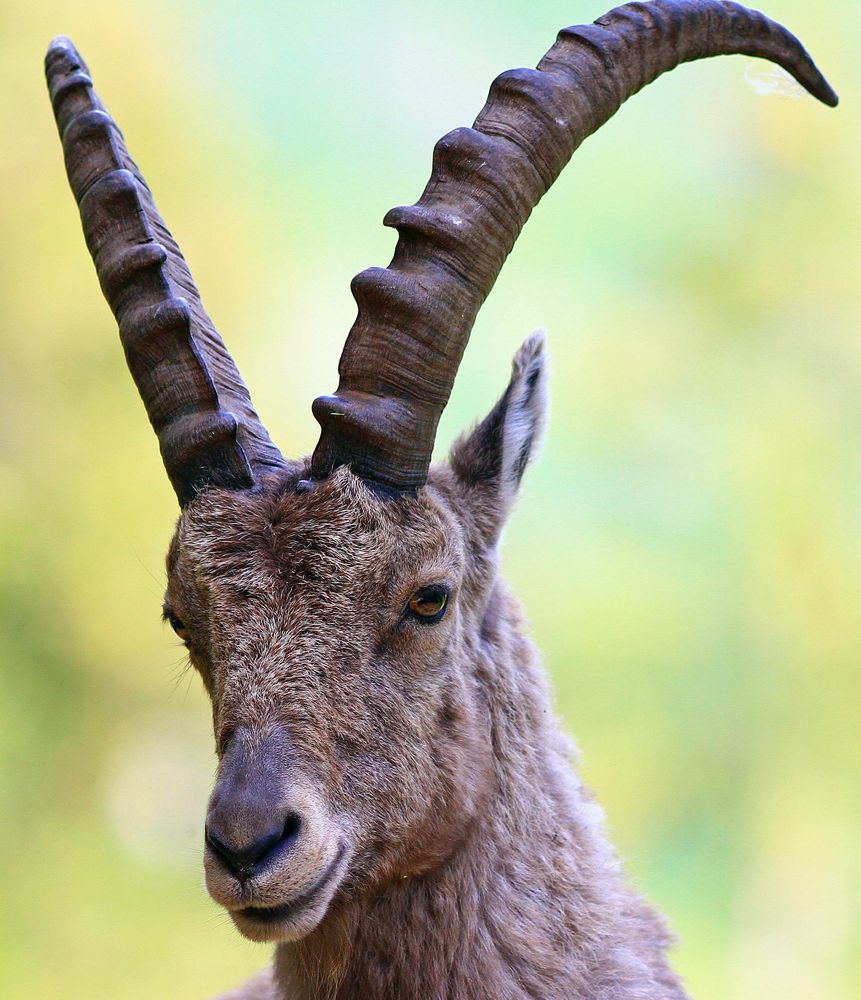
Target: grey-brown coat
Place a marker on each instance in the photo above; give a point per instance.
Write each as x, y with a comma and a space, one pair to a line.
395, 807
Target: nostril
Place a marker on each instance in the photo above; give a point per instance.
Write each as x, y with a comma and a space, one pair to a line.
232, 858
292, 825
243, 861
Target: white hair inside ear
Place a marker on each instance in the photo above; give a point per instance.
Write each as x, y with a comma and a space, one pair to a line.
492, 457
526, 409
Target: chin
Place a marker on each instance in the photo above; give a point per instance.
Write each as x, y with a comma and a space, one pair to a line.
257, 924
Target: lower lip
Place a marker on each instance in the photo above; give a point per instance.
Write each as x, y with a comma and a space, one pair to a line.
276, 914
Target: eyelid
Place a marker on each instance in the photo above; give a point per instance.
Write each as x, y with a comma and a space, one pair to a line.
405, 591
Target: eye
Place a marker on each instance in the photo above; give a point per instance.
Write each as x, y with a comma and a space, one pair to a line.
428, 604
178, 626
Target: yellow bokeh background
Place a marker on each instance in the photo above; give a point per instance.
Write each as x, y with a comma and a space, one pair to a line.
688, 548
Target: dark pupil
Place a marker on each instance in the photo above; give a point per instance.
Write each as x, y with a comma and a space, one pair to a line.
429, 602
177, 625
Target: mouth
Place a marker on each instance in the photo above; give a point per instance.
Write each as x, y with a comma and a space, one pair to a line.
268, 915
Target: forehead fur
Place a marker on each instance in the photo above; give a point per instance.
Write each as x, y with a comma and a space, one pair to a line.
339, 526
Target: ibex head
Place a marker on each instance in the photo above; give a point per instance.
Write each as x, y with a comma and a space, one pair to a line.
338, 633
344, 611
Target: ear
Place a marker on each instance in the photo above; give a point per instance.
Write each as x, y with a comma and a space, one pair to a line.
495, 454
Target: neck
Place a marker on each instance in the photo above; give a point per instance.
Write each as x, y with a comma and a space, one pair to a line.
530, 905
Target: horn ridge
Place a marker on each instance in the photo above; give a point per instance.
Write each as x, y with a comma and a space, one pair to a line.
201, 411
415, 316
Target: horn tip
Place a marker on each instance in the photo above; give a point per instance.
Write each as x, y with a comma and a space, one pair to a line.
61, 46
63, 60
828, 95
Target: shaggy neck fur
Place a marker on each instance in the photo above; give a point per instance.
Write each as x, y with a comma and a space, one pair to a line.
531, 905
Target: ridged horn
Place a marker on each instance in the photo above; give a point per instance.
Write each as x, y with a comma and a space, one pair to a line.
207, 428
415, 316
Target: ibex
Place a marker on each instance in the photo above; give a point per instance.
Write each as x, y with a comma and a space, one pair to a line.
395, 806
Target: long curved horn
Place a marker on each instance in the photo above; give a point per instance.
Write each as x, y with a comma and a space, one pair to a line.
207, 428
415, 316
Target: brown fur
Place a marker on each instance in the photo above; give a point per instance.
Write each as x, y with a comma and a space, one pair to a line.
474, 864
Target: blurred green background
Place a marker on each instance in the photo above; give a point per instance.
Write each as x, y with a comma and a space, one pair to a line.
688, 547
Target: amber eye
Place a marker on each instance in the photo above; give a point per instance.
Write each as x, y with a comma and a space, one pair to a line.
179, 627
429, 603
